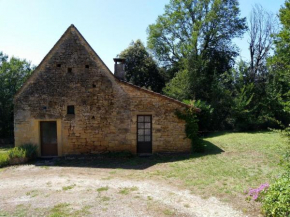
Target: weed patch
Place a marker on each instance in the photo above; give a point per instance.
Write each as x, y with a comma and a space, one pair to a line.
126, 191
69, 187
103, 189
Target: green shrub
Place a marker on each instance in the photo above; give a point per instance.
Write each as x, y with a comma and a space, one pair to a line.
276, 200
191, 127
28, 151
4, 159
205, 116
17, 152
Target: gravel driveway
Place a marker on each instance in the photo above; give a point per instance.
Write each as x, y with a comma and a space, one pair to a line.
32, 190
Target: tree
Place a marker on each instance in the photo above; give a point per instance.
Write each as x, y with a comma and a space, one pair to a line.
140, 67
262, 26
197, 36
279, 64
13, 73
192, 27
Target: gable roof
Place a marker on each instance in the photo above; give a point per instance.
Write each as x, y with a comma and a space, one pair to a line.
53, 49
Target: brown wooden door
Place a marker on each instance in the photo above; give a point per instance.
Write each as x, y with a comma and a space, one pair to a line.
144, 134
48, 138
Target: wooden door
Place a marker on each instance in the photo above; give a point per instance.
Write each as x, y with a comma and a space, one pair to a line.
144, 134
48, 134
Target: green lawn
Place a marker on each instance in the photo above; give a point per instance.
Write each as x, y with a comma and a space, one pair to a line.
234, 163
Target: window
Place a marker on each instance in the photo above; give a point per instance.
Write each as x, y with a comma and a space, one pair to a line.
69, 70
94, 86
58, 65
70, 110
87, 66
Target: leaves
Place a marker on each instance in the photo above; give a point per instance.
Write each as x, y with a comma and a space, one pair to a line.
13, 73
140, 67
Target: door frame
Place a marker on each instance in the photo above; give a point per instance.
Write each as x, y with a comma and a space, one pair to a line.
37, 138
151, 133
41, 133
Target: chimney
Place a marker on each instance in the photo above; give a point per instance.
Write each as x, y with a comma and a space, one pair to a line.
120, 68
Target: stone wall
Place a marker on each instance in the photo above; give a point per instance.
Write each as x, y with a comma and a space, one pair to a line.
105, 108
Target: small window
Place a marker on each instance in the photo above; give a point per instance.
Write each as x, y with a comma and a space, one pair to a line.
70, 110
94, 86
87, 66
58, 65
69, 70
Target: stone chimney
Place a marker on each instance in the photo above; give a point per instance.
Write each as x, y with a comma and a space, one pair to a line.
120, 68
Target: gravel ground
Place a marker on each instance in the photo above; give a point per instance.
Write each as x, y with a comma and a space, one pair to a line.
31, 190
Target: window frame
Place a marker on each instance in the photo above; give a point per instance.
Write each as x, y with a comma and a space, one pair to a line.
69, 111
144, 128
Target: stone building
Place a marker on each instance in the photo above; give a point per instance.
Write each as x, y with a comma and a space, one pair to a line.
73, 104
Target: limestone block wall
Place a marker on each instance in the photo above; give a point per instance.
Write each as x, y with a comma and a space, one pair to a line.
168, 131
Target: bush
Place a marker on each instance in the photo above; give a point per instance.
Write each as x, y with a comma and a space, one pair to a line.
22, 154
4, 159
205, 116
276, 200
191, 127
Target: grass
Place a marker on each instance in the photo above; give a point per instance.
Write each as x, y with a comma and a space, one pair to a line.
103, 189
69, 187
126, 191
245, 160
32, 193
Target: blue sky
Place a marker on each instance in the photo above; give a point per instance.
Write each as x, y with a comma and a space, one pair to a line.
30, 28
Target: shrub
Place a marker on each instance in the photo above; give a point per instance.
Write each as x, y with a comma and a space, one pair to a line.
191, 127
17, 152
4, 159
205, 116
28, 151
276, 200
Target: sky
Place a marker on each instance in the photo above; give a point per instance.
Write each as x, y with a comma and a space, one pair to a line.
30, 28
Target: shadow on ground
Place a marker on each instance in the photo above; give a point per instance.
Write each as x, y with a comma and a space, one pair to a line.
124, 160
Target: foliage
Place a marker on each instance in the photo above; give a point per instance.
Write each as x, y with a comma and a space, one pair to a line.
191, 127
194, 28
140, 67
4, 159
204, 116
13, 73
276, 201
28, 151
179, 86
196, 36
241, 110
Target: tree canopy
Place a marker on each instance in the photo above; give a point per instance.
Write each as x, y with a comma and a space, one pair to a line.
13, 73
140, 67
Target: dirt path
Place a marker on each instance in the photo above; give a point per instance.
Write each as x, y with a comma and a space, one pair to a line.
71, 191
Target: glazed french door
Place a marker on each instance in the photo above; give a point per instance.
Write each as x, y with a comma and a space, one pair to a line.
144, 134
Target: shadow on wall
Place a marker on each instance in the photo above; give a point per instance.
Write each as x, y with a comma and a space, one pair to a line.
124, 160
